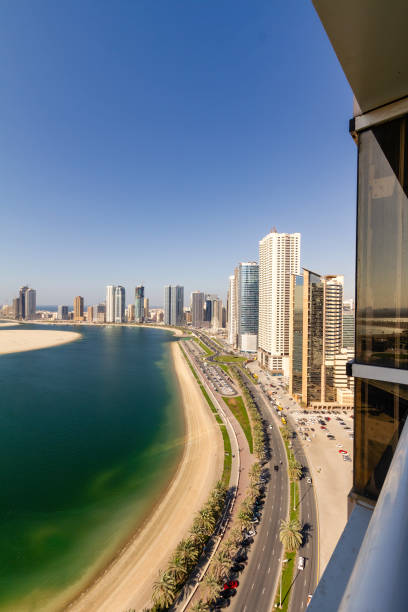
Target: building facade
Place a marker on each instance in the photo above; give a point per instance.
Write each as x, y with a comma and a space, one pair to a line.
139, 304
173, 305
197, 309
232, 312
248, 306
78, 308
120, 304
279, 257
62, 313
216, 314
30, 303
110, 303
146, 309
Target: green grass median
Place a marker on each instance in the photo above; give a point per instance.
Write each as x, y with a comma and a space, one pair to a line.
237, 407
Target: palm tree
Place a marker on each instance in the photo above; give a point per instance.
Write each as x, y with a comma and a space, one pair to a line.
294, 471
212, 585
206, 519
244, 518
200, 606
164, 590
177, 569
290, 535
222, 564
187, 551
229, 547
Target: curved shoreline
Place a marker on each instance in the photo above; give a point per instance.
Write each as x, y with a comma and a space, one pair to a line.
21, 340
127, 581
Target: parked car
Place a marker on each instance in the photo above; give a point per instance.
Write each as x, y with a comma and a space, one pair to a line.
301, 563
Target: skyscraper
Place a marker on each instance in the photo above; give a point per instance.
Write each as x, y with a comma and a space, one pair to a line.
90, 314
232, 312
348, 328
146, 309
177, 305
120, 304
197, 308
279, 257
110, 304
30, 303
173, 305
78, 308
62, 313
16, 308
22, 302
248, 306
139, 304
216, 310
131, 312
315, 346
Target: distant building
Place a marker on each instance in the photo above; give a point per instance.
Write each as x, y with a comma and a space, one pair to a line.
78, 308
146, 309
160, 316
62, 313
248, 306
279, 257
348, 328
131, 312
31, 303
110, 303
22, 302
216, 318
16, 308
187, 316
173, 305
120, 300
232, 312
197, 309
99, 313
89, 314
139, 304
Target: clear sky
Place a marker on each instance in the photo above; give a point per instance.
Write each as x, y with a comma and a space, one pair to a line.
158, 141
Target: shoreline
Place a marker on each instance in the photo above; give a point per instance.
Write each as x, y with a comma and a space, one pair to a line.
23, 340
175, 330
126, 582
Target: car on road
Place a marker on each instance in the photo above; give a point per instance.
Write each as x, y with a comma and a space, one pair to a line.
301, 563
276, 468
231, 584
342, 451
309, 480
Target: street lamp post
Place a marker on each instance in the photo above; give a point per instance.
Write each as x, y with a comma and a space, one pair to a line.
280, 587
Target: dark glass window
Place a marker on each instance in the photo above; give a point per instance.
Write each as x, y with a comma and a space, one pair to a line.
297, 336
381, 411
382, 246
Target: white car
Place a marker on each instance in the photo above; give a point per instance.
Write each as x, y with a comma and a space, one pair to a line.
301, 563
309, 480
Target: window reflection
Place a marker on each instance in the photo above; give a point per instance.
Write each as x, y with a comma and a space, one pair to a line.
381, 414
382, 277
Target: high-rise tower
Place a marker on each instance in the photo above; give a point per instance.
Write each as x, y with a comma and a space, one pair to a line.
110, 304
120, 306
279, 257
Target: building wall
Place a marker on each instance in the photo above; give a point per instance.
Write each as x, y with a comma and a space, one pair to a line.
120, 304
279, 257
248, 305
197, 308
78, 308
232, 312
139, 304
110, 303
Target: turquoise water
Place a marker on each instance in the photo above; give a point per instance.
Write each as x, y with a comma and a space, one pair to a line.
90, 434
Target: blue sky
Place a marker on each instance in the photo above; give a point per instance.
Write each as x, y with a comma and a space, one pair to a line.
158, 142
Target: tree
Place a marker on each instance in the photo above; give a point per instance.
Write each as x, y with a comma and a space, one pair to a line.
212, 585
222, 564
200, 606
187, 550
294, 471
244, 518
164, 590
290, 535
177, 569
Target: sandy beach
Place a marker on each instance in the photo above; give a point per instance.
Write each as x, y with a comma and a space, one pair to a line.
18, 340
127, 583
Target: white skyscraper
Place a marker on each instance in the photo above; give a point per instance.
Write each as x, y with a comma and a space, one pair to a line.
232, 311
216, 314
110, 304
120, 307
279, 257
333, 316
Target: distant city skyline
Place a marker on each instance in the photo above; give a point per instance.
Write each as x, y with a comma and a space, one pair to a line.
171, 126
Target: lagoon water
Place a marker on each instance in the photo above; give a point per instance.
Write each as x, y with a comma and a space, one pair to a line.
90, 435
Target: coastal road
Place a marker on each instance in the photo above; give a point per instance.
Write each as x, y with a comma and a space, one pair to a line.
258, 582
304, 581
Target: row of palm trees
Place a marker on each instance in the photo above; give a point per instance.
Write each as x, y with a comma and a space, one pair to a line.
224, 559
257, 427
188, 551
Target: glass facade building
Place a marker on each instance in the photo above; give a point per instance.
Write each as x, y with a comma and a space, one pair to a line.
296, 336
120, 304
139, 304
381, 302
248, 306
